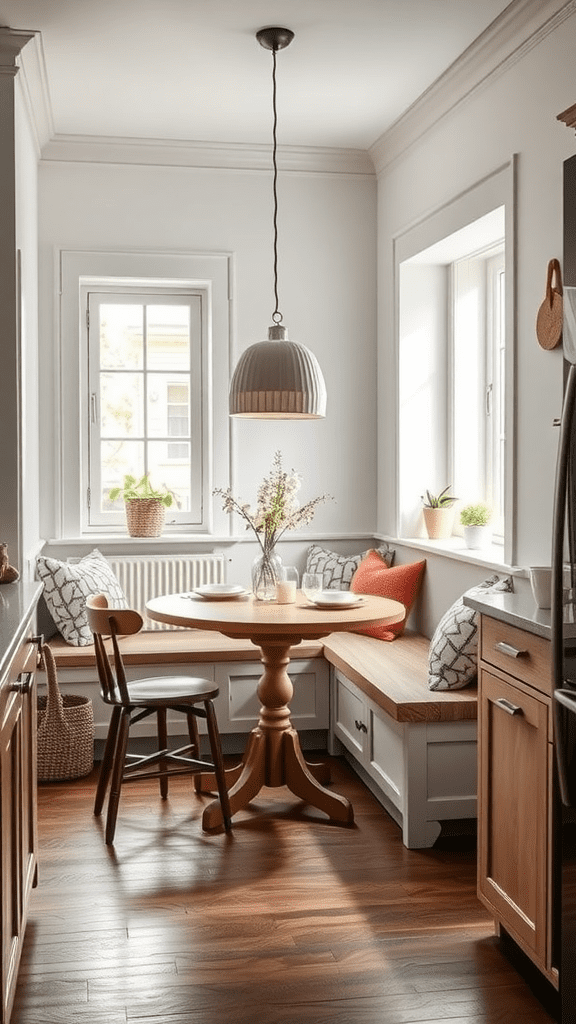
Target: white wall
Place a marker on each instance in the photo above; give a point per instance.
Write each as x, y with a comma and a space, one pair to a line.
327, 244
514, 112
27, 243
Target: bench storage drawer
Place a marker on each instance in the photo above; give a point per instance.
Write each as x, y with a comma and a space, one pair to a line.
415, 749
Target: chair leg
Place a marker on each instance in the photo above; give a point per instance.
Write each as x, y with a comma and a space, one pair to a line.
107, 761
117, 775
195, 742
216, 750
162, 745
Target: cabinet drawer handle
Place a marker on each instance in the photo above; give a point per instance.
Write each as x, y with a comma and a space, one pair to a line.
511, 652
360, 726
23, 684
506, 705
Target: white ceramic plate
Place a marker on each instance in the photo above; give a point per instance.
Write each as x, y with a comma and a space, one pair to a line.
220, 591
337, 599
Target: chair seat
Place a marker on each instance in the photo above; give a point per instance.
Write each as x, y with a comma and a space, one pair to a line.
171, 688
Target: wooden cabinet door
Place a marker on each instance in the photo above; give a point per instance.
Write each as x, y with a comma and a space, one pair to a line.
18, 823
513, 802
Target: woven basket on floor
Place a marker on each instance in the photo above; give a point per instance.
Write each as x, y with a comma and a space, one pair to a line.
145, 517
65, 730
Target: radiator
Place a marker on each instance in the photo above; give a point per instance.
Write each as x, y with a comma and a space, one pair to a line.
145, 576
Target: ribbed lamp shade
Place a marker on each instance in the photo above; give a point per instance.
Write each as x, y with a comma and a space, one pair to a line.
278, 379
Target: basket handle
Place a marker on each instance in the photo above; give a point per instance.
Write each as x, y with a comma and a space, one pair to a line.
553, 270
54, 701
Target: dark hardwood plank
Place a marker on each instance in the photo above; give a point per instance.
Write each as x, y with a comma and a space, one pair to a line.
288, 920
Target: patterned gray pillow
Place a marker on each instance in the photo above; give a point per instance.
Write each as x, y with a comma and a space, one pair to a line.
66, 587
338, 570
452, 659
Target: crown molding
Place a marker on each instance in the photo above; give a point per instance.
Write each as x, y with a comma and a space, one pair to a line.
33, 81
520, 27
205, 155
12, 41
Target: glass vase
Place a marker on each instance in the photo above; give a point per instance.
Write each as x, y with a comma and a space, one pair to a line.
266, 571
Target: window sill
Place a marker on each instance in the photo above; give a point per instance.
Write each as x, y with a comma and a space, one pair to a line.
491, 557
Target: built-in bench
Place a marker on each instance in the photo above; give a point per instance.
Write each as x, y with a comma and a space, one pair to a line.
414, 747
234, 665
367, 698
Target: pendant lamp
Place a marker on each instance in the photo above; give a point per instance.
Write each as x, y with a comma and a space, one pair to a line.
277, 378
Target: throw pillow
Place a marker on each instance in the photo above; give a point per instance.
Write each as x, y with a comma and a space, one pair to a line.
452, 659
338, 570
66, 587
400, 583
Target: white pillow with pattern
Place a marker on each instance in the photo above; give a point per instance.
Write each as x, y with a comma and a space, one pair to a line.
453, 654
66, 587
338, 570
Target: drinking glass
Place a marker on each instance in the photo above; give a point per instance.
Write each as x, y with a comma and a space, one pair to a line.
312, 583
287, 585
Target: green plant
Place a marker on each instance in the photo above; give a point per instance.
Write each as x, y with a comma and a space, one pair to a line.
134, 488
475, 515
442, 500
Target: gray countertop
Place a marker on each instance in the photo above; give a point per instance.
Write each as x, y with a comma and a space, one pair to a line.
516, 609
17, 604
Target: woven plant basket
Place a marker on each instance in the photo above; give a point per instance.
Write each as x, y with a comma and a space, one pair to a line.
145, 517
65, 730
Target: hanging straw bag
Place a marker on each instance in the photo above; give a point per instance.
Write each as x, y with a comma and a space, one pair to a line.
65, 730
550, 313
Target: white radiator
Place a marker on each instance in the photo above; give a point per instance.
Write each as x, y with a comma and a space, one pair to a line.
143, 577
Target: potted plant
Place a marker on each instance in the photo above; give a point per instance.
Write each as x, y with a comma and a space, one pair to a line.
475, 519
145, 505
438, 513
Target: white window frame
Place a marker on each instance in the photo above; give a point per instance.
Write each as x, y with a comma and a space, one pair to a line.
209, 274
496, 190
93, 296
486, 394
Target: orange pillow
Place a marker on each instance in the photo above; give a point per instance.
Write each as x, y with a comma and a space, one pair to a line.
400, 583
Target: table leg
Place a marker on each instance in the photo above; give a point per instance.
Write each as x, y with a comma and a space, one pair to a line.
273, 756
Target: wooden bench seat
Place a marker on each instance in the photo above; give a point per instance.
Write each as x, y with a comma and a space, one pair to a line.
176, 647
395, 676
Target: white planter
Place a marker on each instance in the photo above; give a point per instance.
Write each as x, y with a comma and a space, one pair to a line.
477, 537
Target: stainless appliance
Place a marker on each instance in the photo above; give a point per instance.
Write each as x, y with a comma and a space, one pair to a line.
563, 623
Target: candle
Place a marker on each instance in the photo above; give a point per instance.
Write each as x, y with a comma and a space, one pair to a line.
286, 592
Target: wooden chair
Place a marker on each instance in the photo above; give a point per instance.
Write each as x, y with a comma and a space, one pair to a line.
133, 701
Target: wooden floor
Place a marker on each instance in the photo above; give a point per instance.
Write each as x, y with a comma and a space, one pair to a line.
288, 920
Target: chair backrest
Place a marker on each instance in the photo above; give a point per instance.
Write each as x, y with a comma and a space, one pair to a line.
111, 622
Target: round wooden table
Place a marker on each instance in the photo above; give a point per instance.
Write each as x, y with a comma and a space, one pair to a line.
273, 756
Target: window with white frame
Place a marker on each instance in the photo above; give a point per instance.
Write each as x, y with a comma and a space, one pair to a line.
139, 383
145, 389
456, 358
477, 345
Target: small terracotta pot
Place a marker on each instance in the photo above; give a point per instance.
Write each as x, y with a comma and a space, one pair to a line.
439, 522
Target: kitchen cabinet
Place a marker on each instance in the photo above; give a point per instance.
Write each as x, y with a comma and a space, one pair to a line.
18, 842
515, 786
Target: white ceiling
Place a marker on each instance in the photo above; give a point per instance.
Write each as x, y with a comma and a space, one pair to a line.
192, 70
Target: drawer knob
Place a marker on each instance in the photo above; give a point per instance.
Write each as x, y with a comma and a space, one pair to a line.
23, 684
509, 650
360, 726
508, 707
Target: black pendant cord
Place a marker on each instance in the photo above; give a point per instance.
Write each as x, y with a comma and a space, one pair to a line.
277, 315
